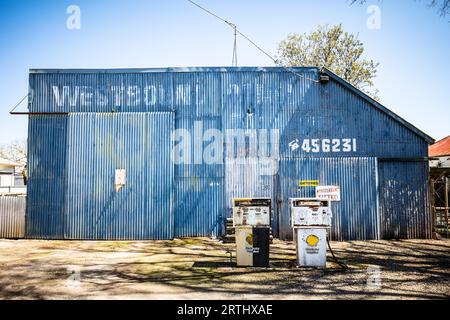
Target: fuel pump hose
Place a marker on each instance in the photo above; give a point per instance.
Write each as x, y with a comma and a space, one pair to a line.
339, 263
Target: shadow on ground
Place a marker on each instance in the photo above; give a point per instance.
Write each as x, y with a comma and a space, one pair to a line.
201, 269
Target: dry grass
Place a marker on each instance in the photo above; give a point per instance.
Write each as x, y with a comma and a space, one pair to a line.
201, 269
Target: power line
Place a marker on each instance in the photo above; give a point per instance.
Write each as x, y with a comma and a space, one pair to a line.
236, 30
211, 13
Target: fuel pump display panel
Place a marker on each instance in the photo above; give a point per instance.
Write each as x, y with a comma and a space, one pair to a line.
252, 212
310, 212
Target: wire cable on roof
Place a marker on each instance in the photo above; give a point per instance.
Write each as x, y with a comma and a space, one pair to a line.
233, 26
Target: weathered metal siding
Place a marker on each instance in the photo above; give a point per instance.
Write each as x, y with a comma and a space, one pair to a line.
71, 193
355, 217
223, 99
199, 206
332, 112
404, 200
276, 99
251, 177
101, 92
260, 104
12, 217
97, 145
46, 188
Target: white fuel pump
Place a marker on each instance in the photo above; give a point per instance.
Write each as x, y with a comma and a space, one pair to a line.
311, 221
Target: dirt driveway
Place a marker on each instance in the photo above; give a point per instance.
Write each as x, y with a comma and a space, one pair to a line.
200, 269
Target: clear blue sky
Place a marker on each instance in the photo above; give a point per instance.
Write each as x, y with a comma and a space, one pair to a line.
412, 45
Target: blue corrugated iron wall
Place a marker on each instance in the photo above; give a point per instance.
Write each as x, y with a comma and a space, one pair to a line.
46, 166
250, 178
247, 99
332, 112
404, 200
199, 206
72, 167
355, 217
276, 98
97, 145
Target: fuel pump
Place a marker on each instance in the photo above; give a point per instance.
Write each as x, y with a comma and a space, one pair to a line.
251, 219
311, 221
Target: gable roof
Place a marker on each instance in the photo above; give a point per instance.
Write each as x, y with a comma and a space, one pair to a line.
440, 148
379, 106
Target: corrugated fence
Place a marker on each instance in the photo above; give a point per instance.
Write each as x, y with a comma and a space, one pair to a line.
12, 217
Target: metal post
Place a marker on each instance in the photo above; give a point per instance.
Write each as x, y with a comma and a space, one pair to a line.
433, 207
446, 204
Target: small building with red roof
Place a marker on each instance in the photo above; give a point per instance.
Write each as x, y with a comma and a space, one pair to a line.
439, 154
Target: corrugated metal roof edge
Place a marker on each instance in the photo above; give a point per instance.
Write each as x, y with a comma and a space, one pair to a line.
379, 106
346, 84
174, 69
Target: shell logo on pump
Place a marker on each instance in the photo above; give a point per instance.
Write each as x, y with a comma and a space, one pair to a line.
249, 239
312, 240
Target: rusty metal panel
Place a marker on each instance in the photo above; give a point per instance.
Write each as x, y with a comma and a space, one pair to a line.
404, 200
12, 217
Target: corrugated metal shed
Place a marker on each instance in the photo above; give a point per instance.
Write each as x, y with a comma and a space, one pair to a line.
302, 130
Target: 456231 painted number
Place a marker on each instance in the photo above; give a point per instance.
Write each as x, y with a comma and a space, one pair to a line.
329, 145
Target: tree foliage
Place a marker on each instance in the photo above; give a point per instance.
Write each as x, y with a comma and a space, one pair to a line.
333, 48
443, 6
15, 151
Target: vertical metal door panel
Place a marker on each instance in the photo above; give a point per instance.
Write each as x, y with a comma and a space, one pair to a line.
46, 176
98, 145
404, 200
199, 206
356, 216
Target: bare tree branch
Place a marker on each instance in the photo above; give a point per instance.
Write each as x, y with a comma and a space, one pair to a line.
443, 6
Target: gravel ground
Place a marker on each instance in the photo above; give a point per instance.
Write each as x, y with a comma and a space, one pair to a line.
201, 269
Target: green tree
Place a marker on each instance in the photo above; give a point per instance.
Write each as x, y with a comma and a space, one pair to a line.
333, 48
